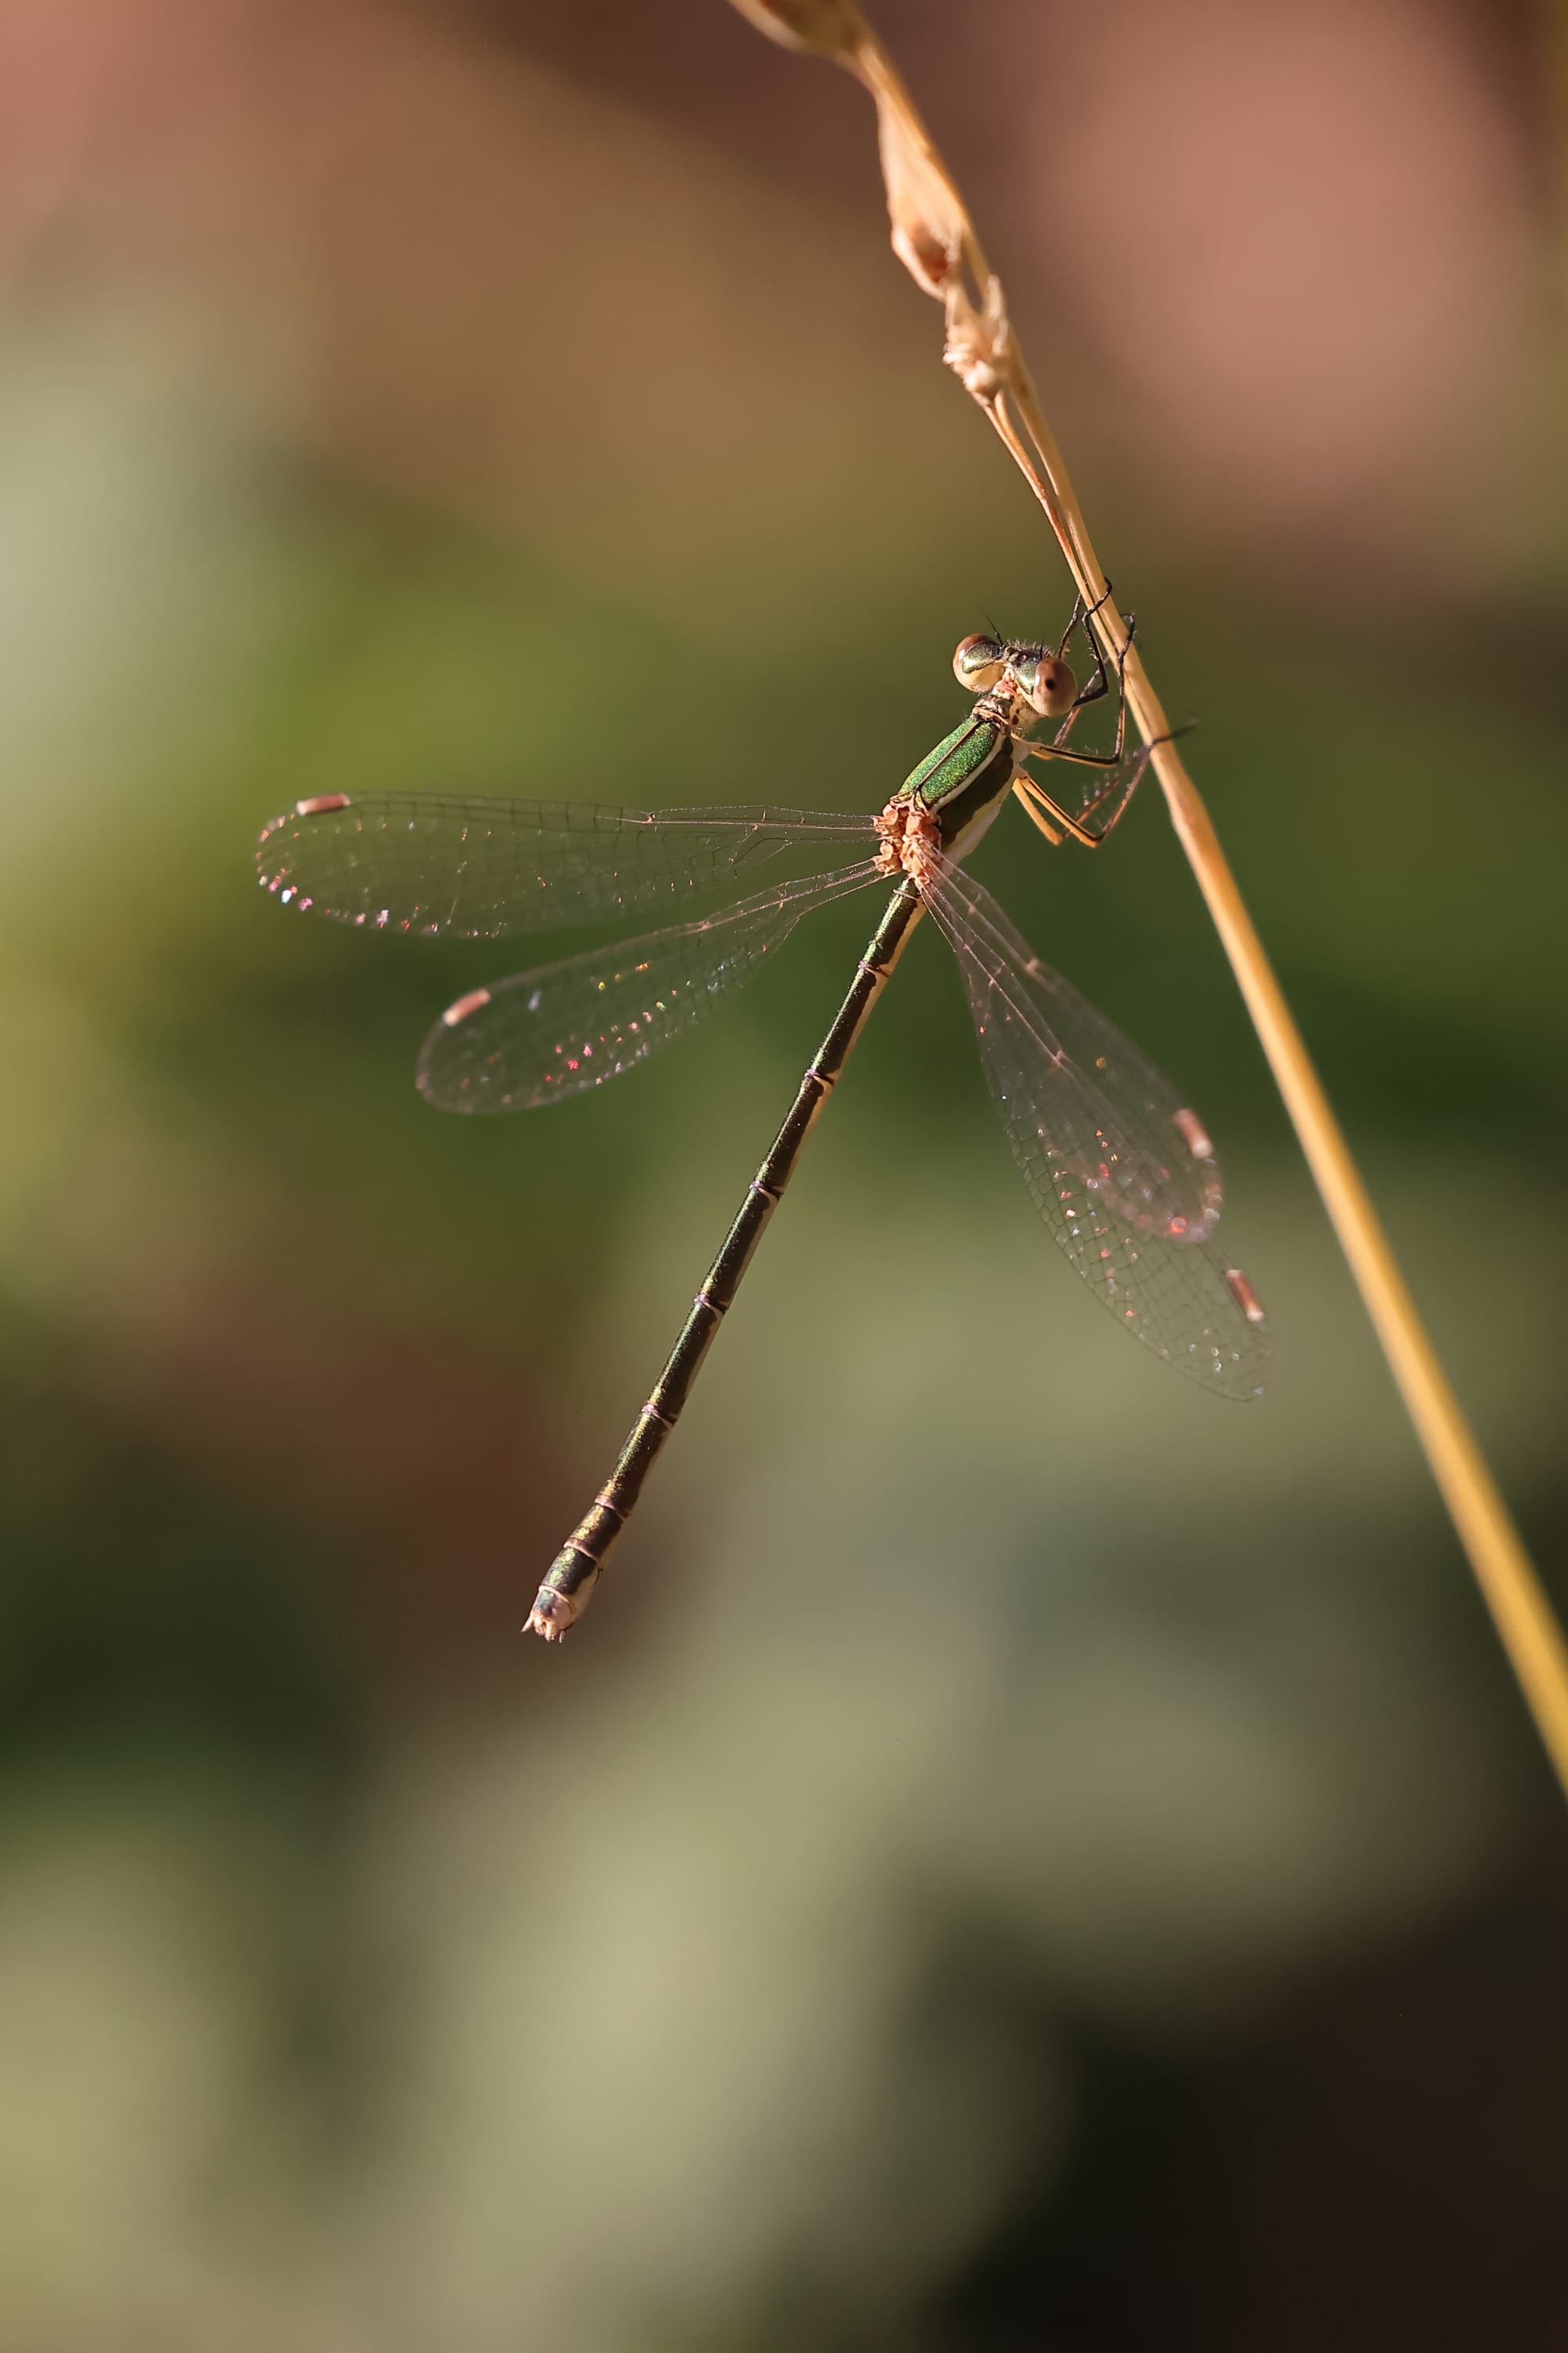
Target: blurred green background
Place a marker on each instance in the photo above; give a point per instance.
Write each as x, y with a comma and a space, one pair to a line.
1020, 1856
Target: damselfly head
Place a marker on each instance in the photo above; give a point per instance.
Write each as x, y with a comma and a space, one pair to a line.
1045, 682
979, 663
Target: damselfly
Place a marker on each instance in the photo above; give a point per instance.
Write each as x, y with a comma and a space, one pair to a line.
1119, 1168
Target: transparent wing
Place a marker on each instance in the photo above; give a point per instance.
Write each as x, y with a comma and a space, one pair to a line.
480, 868
1117, 1167
568, 1025
1118, 1122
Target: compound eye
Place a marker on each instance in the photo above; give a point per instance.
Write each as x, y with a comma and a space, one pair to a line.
1046, 684
977, 664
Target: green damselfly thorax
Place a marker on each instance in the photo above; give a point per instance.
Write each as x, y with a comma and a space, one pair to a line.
1119, 1167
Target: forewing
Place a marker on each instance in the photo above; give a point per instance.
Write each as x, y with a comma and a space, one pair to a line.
552, 1032
483, 869
1119, 1122
1086, 1158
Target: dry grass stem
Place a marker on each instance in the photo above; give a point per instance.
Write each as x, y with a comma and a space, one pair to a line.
934, 238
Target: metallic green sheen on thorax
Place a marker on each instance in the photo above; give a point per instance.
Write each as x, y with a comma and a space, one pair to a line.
967, 771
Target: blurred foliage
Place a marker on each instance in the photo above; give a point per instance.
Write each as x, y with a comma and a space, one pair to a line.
969, 1883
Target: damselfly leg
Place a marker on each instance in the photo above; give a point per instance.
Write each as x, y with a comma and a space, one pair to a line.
1099, 815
